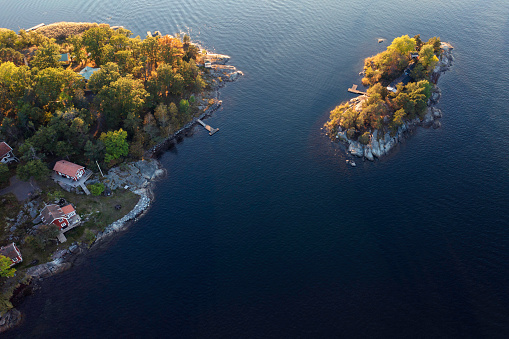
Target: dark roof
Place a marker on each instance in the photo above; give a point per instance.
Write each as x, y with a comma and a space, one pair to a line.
4, 149
67, 167
404, 78
9, 251
52, 212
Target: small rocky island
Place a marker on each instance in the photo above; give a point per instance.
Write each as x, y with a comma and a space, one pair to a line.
402, 94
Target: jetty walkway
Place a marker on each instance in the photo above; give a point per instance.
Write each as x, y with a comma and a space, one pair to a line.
207, 127
354, 89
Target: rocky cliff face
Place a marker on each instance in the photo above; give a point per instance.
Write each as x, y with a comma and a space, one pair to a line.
381, 143
9, 320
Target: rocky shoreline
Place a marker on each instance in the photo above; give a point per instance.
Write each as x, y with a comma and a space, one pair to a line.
139, 177
380, 143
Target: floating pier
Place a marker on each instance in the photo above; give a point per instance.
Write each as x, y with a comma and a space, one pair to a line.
354, 89
207, 127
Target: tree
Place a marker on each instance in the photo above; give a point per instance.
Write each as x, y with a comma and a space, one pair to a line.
94, 39
348, 118
435, 42
35, 168
174, 115
15, 82
4, 173
64, 149
78, 52
150, 48
171, 49
125, 61
56, 87
379, 90
8, 39
104, 77
29, 117
427, 57
189, 72
28, 151
94, 151
48, 55
5, 267
136, 148
161, 115
403, 45
199, 84
191, 53
418, 42
397, 118
184, 106
44, 235
121, 100
115, 144
162, 84
107, 54
418, 73
149, 125
10, 54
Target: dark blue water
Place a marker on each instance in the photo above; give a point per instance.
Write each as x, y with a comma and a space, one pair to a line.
262, 230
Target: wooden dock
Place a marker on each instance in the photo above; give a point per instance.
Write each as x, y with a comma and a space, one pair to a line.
207, 127
35, 27
354, 89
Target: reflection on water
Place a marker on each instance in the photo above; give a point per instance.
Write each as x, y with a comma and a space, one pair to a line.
262, 230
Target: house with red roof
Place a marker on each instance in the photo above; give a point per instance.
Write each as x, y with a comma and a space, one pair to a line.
69, 170
11, 252
64, 217
6, 154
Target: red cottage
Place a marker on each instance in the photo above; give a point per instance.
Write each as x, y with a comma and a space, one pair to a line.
53, 214
6, 153
69, 170
11, 252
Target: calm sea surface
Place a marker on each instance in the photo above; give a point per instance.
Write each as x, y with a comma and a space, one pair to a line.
262, 230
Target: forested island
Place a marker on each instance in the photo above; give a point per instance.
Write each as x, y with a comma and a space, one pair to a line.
95, 98
402, 94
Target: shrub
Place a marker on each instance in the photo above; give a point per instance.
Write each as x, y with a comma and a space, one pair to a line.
89, 236
364, 139
350, 133
5, 269
55, 195
97, 188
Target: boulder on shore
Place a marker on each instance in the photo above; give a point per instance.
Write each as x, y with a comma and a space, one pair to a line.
9, 320
356, 149
368, 154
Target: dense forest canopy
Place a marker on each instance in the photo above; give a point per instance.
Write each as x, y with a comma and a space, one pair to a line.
386, 108
142, 89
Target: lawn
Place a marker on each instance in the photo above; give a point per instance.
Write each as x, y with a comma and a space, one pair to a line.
96, 212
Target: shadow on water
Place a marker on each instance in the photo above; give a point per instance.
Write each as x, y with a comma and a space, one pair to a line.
263, 230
